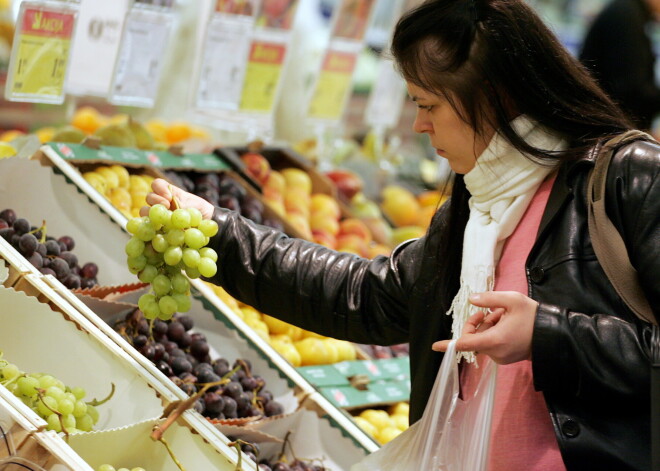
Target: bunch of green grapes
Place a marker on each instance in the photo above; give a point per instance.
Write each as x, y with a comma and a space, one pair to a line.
109, 467
164, 244
62, 407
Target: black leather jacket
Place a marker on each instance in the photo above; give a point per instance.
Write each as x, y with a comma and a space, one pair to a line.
590, 353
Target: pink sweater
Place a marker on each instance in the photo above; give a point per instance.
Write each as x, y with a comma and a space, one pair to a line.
522, 436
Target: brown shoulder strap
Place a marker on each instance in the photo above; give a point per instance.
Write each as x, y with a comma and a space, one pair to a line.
607, 242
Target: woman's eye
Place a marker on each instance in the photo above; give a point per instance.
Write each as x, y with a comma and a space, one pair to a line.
425, 107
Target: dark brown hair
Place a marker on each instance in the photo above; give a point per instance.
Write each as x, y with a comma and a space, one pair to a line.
495, 59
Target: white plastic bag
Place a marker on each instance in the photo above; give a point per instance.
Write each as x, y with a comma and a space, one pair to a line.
453, 433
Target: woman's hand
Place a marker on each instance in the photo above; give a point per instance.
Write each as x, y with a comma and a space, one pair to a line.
163, 192
504, 334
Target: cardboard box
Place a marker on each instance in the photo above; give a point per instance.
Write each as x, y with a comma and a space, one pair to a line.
59, 341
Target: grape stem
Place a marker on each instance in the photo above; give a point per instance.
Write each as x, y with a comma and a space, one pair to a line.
95, 402
43, 232
40, 394
172, 455
182, 406
237, 444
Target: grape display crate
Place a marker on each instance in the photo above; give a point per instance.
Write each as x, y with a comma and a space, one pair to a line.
14, 426
139, 395
12, 265
68, 180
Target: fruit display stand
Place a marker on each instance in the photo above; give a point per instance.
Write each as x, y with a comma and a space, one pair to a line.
12, 265
14, 426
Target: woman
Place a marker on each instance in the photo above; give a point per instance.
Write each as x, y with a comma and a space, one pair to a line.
518, 120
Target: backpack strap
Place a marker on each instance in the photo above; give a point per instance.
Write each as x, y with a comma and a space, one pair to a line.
607, 242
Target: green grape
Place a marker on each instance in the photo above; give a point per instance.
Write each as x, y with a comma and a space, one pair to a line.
68, 421
46, 381
148, 274
65, 406
134, 247
106, 467
53, 421
145, 231
161, 285
153, 257
191, 257
133, 224
46, 405
159, 214
172, 255
192, 272
78, 392
136, 264
79, 409
180, 219
208, 252
70, 396
175, 237
183, 303
151, 310
84, 423
167, 305
207, 267
27, 385
180, 284
172, 270
208, 227
55, 392
10, 371
160, 243
194, 238
93, 412
195, 217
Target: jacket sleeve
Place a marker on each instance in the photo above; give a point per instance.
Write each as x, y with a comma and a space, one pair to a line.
332, 293
601, 355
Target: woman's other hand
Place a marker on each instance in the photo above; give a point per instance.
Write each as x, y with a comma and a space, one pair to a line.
504, 333
163, 193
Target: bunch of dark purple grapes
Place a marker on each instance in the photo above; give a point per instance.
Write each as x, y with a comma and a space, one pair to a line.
224, 191
275, 464
183, 356
49, 255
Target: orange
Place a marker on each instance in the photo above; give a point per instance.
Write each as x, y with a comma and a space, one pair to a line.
87, 119
177, 131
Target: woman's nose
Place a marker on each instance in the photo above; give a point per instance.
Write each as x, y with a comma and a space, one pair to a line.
422, 124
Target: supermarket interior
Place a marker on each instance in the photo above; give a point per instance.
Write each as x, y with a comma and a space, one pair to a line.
116, 351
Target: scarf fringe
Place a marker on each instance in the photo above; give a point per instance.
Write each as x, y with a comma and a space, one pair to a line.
461, 309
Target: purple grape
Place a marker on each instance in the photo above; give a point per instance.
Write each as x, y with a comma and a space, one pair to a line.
70, 258
140, 340
230, 406
3, 224
159, 328
41, 248
21, 226
199, 405
185, 340
27, 244
175, 331
159, 351
199, 349
221, 366
89, 270
147, 350
36, 260
60, 267
163, 367
87, 283
273, 408
229, 202
233, 389
186, 322
249, 383
181, 365
188, 388
198, 336
47, 271
68, 242
8, 215
214, 403
52, 248
7, 234
71, 281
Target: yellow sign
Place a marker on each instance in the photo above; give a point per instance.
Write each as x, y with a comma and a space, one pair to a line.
333, 86
262, 76
42, 53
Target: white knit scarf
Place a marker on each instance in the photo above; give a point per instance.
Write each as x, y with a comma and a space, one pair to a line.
501, 185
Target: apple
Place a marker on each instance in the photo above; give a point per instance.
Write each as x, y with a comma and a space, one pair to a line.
355, 226
324, 204
348, 183
319, 221
324, 238
257, 166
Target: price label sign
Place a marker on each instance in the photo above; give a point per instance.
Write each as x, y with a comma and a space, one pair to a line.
224, 61
40, 54
386, 98
141, 55
262, 76
333, 85
95, 47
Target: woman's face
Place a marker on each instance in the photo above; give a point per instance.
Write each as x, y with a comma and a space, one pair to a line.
452, 138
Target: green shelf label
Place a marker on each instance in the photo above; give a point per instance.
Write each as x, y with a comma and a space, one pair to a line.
137, 157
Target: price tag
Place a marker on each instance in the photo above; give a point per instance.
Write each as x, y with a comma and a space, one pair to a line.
262, 76
141, 54
95, 47
386, 98
333, 85
224, 61
40, 54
